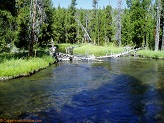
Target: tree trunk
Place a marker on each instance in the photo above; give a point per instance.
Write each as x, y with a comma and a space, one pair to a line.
163, 38
157, 26
145, 43
119, 22
33, 17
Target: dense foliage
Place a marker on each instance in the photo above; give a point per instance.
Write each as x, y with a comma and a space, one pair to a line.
60, 24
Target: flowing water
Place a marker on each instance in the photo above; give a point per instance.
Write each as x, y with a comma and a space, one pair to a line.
121, 90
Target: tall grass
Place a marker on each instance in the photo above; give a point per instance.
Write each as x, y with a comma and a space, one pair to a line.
8, 56
98, 50
63, 46
151, 54
22, 67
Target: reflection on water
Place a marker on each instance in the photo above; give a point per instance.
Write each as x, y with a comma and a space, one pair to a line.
116, 90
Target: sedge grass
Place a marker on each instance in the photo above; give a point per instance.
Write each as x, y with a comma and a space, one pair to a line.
63, 46
151, 54
8, 56
22, 67
98, 50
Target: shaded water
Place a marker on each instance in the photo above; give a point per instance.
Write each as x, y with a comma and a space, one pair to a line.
122, 90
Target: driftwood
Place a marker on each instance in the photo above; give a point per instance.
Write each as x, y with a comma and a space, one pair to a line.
70, 57
67, 57
119, 54
125, 53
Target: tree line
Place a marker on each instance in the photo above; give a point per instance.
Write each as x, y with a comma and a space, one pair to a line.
139, 23
31, 24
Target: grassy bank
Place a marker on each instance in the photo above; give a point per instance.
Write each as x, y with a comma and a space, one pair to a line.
151, 54
98, 50
61, 47
108, 50
12, 68
92, 49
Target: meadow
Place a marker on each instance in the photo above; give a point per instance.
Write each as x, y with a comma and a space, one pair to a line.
91, 49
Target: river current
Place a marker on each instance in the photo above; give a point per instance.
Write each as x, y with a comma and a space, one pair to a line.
121, 90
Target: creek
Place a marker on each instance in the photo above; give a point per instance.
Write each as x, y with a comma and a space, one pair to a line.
117, 90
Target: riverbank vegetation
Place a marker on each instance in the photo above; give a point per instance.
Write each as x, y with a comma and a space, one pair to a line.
12, 67
151, 54
62, 47
91, 49
98, 50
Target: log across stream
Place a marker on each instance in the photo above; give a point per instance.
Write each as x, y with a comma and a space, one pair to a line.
68, 57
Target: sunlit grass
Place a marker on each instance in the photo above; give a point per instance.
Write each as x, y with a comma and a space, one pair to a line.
63, 46
98, 50
151, 54
92, 49
21, 67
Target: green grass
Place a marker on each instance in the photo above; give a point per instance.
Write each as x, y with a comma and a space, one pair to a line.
63, 46
151, 54
22, 67
98, 50
92, 49
8, 56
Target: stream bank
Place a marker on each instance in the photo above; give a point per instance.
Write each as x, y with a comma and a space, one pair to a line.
15, 68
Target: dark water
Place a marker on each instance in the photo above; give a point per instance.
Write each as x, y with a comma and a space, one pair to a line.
122, 90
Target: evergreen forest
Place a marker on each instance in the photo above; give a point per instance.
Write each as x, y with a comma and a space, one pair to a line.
33, 24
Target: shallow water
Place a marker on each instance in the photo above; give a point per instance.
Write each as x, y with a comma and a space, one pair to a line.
122, 90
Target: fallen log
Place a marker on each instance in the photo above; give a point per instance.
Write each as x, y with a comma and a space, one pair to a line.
68, 57
119, 54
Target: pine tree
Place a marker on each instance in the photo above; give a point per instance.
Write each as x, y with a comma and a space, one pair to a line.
149, 28
108, 23
137, 20
34, 24
59, 26
46, 27
37, 18
9, 5
23, 24
126, 28
82, 17
71, 27
138, 11
93, 22
7, 24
